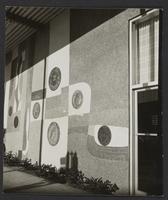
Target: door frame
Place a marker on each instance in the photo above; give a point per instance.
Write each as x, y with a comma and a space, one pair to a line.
135, 110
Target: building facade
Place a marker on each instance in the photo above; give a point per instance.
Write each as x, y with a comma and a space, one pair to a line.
87, 83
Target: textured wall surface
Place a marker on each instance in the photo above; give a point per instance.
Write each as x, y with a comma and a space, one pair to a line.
18, 99
99, 57
114, 170
35, 125
37, 48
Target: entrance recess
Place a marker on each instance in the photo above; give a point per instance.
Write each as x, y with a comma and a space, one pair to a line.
148, 146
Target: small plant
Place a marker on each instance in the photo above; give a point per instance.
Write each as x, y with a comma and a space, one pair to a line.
62, 175
27, 163
36, 166
12, 159
97, 185
44, 170
75, 177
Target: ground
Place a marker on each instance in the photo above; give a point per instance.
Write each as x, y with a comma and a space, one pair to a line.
16, 179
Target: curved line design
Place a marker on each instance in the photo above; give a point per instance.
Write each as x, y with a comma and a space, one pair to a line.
25, 150
110, 153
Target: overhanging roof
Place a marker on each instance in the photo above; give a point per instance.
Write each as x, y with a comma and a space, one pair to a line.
21, 22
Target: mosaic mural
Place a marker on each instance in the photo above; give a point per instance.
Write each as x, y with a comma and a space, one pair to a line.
36, 110
104, 135
77, 99
54, 78
53, 108
53, 134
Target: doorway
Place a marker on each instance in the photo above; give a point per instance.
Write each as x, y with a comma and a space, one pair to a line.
148, 144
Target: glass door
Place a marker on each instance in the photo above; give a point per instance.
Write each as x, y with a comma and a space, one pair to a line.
148, 142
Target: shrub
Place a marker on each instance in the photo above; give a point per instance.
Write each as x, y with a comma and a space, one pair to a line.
27, 163
75, 177
97, 185
72, 176
12, 159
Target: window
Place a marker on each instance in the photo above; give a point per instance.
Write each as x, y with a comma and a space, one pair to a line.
145, 49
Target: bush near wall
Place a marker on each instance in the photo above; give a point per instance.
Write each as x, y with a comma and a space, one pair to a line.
72, 176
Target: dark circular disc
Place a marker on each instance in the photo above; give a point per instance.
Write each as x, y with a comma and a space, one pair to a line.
10, 111
53, 134
16, 121
77, 99
36, 110
104, 135
54, 78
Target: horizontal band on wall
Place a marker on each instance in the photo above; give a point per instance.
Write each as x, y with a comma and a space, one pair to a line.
79, 129
37, 95
110, 153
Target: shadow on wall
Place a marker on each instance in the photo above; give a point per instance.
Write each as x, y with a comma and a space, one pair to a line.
71, 161
81, 22
74, 23
84, 20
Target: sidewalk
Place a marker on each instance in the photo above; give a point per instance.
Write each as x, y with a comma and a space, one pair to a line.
16, 180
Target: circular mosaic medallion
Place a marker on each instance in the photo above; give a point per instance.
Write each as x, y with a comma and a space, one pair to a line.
16, 122
36, 110
104, 135
10, 110
54, 78
77, 99
53, 134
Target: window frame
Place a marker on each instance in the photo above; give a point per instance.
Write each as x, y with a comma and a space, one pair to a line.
132, 46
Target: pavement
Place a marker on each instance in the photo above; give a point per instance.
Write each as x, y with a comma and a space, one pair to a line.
17, 180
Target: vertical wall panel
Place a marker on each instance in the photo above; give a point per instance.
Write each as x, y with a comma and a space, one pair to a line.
99, 57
